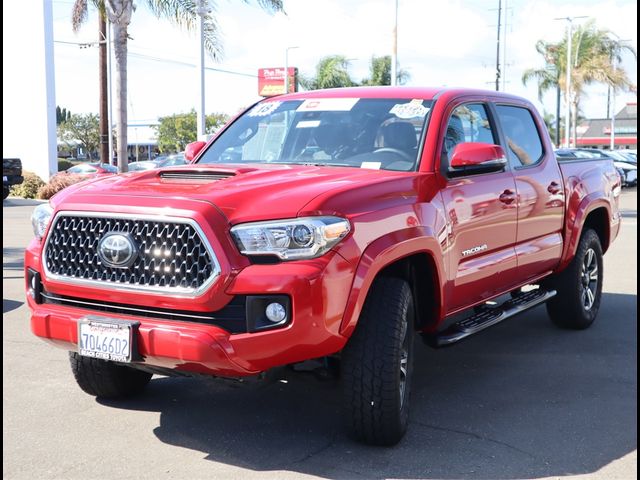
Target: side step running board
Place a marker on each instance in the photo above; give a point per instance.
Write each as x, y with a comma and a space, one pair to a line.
487, 317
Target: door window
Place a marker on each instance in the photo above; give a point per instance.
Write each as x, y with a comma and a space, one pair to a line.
524, 145
468, 123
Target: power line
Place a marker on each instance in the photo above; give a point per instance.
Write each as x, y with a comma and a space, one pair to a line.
144, 56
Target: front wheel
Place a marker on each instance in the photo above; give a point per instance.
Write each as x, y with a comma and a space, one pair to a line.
377, 365
105, 379
579, 286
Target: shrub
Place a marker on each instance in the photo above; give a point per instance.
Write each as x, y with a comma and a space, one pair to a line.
57, 183
28, 188
64, 164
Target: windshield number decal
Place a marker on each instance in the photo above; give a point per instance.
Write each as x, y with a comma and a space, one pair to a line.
413, 109
264, 109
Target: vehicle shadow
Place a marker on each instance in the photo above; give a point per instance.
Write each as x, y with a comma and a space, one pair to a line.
9, 305
521, 400
20, 202
12, 258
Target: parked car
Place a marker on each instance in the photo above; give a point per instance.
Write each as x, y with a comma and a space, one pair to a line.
145, 165
11, 174
337, 256
173, 160
90, 170
626, 168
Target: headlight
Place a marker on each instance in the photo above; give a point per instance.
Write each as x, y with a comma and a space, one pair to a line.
40, 219
292, 239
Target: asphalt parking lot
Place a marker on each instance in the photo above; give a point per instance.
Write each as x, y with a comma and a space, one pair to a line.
522, 400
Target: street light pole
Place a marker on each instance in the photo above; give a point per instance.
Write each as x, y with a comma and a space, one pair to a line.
567, 93
286, 68
201, 11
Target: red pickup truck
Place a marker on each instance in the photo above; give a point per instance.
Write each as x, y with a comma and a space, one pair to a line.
332, 225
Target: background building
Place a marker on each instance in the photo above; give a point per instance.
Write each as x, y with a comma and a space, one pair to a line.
596, 133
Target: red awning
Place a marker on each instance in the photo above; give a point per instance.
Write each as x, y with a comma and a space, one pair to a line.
607, 141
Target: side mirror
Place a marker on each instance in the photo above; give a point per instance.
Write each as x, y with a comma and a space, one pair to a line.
473, 158
192, 150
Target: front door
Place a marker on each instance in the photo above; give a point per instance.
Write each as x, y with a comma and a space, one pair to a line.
482, 213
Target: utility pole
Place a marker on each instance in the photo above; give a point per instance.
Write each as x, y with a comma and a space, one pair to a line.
286, 68
109, 94
504, 47
498, 46
613, 111
567, 93
102, 68
612, 89
394, 51
201, 11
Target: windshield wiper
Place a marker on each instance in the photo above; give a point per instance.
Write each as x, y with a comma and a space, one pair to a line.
319, 164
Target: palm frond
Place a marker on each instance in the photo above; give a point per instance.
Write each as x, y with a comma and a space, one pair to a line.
79, 14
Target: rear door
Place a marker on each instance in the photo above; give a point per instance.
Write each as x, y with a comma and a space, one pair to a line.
540, 188
481, 210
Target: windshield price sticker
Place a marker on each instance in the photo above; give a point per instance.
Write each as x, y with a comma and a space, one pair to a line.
327, 105
264, 109
308, 124
412, 109
105, 340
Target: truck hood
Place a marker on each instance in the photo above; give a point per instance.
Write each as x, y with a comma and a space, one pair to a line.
241, 193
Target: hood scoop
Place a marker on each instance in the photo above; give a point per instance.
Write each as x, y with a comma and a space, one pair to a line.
194, 175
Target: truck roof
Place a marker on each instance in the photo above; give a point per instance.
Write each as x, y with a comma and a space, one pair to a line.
425, 93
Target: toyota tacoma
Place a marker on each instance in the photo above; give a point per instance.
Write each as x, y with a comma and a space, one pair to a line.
333, 225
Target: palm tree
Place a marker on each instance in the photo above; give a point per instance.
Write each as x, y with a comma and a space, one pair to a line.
331, 72
593, 55
180, 12
380, 72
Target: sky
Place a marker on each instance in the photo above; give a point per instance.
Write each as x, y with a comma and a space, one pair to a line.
440, 43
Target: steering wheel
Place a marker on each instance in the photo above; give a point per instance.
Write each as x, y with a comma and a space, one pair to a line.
395, 151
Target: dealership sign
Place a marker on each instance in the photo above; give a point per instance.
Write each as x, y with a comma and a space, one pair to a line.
271, 81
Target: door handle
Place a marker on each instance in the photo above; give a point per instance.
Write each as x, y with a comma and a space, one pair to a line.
554, 188
507, 197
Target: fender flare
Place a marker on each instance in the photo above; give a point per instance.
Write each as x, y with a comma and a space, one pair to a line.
587, 205
383, 252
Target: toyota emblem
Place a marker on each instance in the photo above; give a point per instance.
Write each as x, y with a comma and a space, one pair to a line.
117, 250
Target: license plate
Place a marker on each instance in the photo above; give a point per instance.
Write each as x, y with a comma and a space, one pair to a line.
4, 179
106, 338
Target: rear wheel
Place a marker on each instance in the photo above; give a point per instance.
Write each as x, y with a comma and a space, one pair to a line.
377, 365
579, 286
105, 379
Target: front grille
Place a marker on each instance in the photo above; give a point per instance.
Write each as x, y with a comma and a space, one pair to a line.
172, 256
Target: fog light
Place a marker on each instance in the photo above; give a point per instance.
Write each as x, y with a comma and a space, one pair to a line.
276, 313
33, 285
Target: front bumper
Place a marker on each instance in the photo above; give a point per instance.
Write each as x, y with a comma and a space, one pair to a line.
318, 290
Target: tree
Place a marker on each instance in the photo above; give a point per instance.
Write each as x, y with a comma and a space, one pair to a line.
593, 55
176, 131
380, 72
83, 129
62, 115
331, 72
180, 12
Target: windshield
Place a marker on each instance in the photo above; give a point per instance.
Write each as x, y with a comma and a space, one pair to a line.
346, 132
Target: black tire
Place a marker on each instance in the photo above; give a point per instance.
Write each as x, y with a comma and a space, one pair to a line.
376, 386
579, 286
5, 192
104, 379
